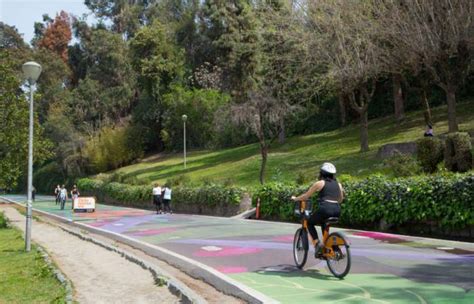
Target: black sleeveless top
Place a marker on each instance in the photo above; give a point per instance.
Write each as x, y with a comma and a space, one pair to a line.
330, 192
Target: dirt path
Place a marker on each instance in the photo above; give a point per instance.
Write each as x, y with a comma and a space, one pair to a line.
98, 275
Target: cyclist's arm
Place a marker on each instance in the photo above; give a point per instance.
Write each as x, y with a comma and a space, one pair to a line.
341, 198
317, 186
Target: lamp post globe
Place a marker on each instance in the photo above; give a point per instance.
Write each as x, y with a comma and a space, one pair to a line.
31, 71
184, 117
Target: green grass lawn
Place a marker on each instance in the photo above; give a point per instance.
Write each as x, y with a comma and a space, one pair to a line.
299, 155
25, 277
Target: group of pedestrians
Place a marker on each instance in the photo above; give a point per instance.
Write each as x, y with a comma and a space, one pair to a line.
162, 196
60, 192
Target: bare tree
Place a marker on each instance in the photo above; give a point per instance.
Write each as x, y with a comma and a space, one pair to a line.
437, 36
342, 40
261, 115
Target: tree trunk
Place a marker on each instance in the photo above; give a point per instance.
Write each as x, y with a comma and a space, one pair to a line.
282, 134
364, 131
451, 98
342, 109
398, 97
426, 105
264, 152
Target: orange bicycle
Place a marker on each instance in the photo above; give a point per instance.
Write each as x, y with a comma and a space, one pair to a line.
336, 250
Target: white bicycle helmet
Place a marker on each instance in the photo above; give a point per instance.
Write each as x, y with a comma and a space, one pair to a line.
328, 168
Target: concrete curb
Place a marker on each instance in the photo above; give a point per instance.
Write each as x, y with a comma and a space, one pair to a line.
193, 268
246, 214
185, 294
160, 276
58, 274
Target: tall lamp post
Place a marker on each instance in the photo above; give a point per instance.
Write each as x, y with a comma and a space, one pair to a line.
31, 70
184, 117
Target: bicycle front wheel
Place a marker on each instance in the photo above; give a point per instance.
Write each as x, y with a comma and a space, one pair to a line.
300, 247
339, 256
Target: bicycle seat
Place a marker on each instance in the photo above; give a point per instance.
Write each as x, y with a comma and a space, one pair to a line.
332, 220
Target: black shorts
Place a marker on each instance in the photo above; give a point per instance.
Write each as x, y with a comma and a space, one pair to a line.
324, 211
157, 199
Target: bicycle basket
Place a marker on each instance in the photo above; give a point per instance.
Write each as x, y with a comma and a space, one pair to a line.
307, 211
297, 210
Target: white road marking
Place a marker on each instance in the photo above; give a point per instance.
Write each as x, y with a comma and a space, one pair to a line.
211, 248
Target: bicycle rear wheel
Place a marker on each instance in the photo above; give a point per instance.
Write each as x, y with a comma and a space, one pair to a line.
339, 260
300, 247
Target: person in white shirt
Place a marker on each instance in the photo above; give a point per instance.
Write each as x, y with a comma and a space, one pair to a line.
157, 198
167, 199
63, 196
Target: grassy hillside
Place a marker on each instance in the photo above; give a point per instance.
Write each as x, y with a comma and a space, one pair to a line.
299, 155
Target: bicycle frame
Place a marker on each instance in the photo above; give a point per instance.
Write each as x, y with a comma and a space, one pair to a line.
328, 251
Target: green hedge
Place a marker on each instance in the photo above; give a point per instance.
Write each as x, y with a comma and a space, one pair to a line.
3, 221
457, 153
445, 201
195, 200
429, 153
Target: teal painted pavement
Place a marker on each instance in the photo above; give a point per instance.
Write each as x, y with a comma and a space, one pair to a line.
386, 268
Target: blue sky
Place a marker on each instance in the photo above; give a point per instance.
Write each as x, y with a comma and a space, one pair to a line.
24, 13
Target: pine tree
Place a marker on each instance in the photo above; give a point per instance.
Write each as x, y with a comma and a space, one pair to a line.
232, 29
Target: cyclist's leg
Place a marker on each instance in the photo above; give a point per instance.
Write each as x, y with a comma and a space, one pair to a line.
312, 221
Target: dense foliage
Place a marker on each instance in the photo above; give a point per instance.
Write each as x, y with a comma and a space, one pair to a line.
3, 221
445, 201
197, 200
14, 122
457, 152
430, 153
243, 71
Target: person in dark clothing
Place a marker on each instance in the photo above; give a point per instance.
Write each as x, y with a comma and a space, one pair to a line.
429, 131
330, 196
57, 192
33, 193
74, 194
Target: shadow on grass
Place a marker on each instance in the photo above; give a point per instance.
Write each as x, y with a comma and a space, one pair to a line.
225, 156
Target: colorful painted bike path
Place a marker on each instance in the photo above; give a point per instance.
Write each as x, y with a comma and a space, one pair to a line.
386, 268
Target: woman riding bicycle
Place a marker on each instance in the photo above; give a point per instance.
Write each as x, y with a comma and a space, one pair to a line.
329, 198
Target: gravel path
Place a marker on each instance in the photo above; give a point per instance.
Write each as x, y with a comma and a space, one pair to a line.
98, 275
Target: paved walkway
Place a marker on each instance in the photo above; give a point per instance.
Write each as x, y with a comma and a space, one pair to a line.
386, 268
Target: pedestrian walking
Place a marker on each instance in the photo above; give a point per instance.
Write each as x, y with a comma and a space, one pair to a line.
63, 196
167, 199
57, 192
157, 198
74, 194
33, 193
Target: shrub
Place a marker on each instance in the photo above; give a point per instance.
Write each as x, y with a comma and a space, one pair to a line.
112, 148
3, 221
180, 180
303, 178
457, 152
445, 200
48, 176
402, 165
429, 153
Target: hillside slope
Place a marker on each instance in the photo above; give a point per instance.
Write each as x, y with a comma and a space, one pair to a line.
300, 155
